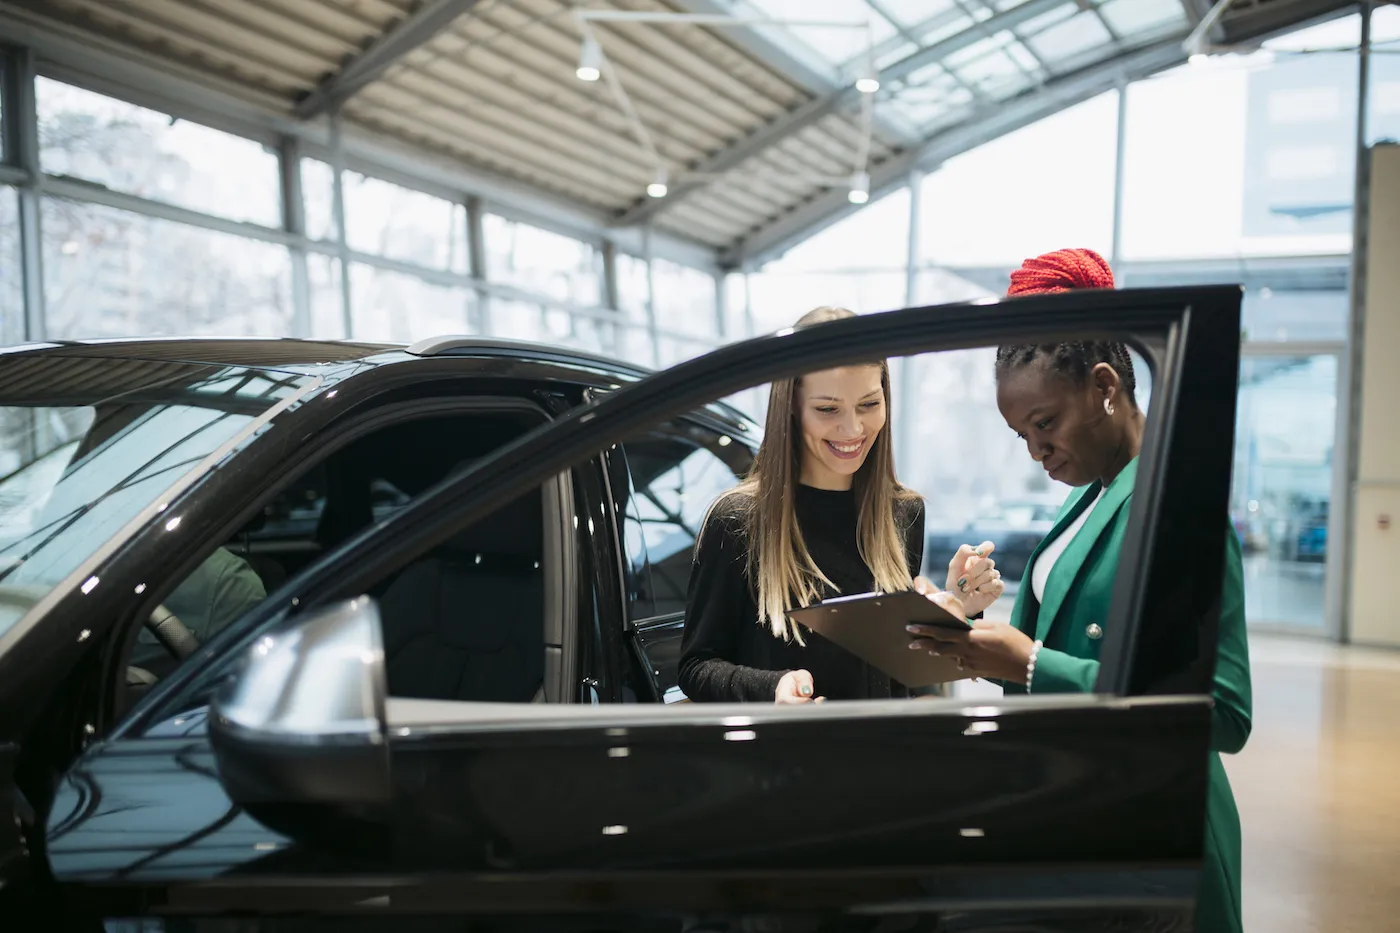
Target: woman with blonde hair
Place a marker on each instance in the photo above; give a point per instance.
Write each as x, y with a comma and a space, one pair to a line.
820, 514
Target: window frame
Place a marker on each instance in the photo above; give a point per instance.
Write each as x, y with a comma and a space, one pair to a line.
680, 431
331, 440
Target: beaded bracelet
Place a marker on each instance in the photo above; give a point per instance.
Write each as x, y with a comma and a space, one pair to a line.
1030, 665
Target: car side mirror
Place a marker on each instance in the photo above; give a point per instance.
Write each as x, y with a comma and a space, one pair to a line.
298, 731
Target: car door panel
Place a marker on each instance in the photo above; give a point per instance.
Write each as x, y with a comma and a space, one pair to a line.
695, 803
863, 806
672, 475
659, 645
735, 788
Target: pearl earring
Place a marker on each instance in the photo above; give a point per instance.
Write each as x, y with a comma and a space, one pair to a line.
1108, 408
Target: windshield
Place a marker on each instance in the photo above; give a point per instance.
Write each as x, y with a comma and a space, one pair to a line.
87, 444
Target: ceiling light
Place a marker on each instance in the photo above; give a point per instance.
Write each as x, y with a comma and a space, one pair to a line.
868, 84
590, 60
657, 188
860, 188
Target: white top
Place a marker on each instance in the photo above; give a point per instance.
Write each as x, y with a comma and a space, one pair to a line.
1040, 571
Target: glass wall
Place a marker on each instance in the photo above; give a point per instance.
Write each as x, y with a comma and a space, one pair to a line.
150, 224
1240, 169
114, 273
392, 307
1279, 126
1048, 185
384, 219
859, 263
11, 293
1281, 494
141, 152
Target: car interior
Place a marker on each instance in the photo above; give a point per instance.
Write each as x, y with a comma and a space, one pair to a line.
466, 621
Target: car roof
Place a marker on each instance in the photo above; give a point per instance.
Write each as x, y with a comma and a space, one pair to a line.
300, 354
274, 352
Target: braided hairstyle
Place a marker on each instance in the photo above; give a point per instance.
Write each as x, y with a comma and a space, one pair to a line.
1061, 271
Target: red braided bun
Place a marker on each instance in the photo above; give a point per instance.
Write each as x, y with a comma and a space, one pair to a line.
1061, 271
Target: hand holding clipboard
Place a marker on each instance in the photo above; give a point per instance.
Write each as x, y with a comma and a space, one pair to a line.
872, 626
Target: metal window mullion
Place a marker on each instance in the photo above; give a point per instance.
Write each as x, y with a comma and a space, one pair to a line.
294, 222
22, 149
652, 325
77, 190
907, 390
721, 306
338, 201
750, 325
612, 295
1119, 175
476, 263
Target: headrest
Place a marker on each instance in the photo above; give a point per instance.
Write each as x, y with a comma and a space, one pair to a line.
514, 530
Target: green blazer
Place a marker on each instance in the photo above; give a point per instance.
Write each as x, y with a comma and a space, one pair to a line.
1071, 623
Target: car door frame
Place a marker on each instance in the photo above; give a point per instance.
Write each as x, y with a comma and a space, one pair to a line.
1183, 487
1160, 323
318, 448
642, 633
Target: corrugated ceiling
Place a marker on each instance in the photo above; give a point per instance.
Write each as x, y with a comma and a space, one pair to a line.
494, 85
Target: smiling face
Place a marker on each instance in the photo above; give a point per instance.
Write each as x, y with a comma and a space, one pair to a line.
1065, 426
841, 413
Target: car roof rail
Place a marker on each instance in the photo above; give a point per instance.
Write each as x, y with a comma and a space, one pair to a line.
469, 345
450, 345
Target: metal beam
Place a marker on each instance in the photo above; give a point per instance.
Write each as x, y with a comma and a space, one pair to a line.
1282, 274
791, 60
982, 125
1198, 42
294, 222
1193, 11
21, 131
1010, 20
818, 109
1265, 20
421, 26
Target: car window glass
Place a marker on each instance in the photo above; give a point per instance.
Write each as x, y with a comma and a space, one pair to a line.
636, 574
463, 621
676, 475
361, 483
81, 467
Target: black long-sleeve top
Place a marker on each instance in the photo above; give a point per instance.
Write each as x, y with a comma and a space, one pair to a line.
727, 655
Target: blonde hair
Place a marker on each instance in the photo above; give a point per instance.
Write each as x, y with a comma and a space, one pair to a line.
779, 563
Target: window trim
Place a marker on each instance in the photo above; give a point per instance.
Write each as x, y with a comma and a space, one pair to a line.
672, 430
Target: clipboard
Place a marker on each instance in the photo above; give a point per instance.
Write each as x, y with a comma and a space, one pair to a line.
871, 627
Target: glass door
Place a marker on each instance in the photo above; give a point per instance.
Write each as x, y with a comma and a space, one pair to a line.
1281, 504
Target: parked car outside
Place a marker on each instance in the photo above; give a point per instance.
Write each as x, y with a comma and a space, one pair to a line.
1016, 526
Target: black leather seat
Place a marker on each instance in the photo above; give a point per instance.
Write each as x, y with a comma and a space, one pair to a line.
467, 621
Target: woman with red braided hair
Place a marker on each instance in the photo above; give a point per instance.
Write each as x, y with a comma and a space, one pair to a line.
1074, 405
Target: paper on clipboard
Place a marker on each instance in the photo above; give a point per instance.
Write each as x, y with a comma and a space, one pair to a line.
871, 627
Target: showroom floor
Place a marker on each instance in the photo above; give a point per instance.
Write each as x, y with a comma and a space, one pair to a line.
1318, 787
1318, 790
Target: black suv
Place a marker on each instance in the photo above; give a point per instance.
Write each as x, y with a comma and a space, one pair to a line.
294, 629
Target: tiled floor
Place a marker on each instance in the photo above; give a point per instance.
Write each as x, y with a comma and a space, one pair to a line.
1318, 788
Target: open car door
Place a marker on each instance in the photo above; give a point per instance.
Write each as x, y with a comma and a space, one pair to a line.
1066, 811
